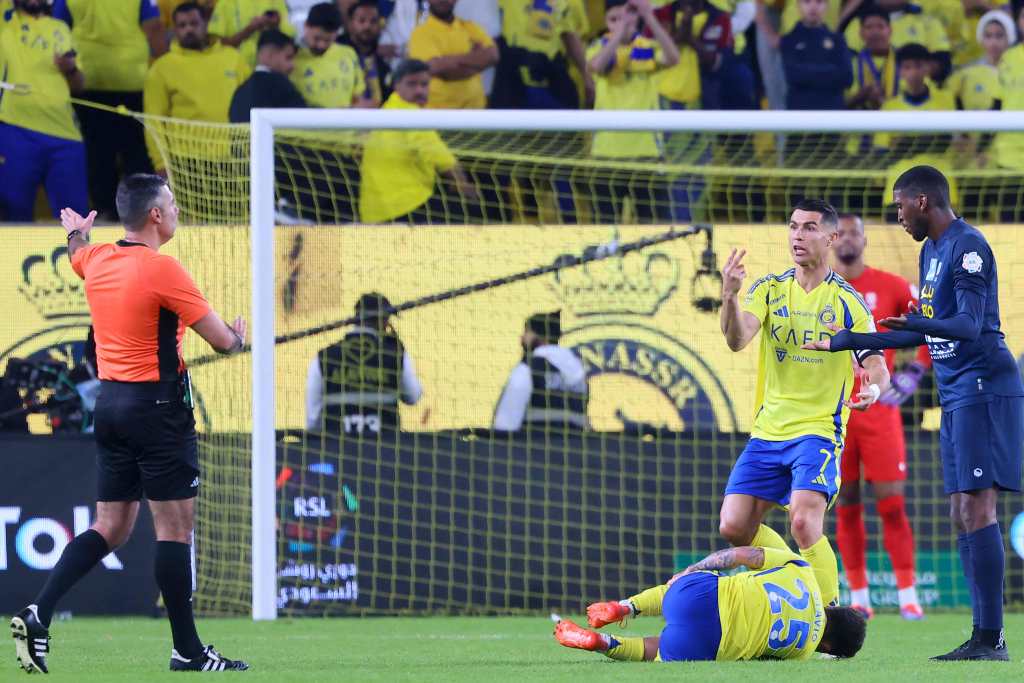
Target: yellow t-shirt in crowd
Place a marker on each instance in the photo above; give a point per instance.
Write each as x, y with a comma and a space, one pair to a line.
196, 85
967, 49
1009, 147
801, 393
399, 169
334, 80
110, 40
538, 25
436, 38
907, 27
681, 82
231, 16
776, 612
629, 83
27, 47
975, 85
939, 99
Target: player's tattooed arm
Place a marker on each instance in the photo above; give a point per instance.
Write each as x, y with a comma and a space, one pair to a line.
730, 558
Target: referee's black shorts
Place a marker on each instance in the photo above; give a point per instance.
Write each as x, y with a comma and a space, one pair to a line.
146, 442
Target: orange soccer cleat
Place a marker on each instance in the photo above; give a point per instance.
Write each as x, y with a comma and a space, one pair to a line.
603, 613
571, 635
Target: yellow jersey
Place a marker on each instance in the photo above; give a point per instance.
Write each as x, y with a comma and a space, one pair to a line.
629, 83
27, 47
1009, 147
110, 40
399, 169
976, 86
538, 25
231, 16
334, 80
907, 27
938, 99
681, 83
801, 393
436, 38
776, 612
196, 85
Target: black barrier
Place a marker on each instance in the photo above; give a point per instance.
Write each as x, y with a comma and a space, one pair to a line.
46, 497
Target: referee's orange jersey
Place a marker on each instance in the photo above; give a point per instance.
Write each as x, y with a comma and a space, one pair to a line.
141, 302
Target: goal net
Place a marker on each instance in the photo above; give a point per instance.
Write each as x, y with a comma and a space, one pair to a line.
374, 493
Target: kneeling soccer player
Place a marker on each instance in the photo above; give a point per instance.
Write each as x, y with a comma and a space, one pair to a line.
772, 612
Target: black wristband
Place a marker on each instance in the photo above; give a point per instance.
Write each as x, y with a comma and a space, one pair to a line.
73, 234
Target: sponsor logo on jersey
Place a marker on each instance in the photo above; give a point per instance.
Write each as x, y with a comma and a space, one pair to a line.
972, 262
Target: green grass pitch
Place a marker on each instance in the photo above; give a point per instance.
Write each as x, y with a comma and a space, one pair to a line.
483, 650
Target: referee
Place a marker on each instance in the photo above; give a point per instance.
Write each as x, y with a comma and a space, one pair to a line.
141, 302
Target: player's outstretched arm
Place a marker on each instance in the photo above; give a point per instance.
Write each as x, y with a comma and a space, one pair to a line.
738, 326
748, 556
965, 325
845, 340
875, 383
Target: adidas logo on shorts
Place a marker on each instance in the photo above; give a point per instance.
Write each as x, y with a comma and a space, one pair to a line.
195, 483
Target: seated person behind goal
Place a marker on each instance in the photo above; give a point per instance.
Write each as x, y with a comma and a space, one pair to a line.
773, 611
354, 385
400, 168
549, 385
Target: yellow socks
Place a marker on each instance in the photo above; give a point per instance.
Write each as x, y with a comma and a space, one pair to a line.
648, 603
627, 649
826, 571
767, 537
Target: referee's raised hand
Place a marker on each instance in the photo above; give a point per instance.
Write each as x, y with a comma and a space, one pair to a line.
76, 227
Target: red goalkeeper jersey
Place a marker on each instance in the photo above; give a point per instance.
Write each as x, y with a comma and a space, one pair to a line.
887, 295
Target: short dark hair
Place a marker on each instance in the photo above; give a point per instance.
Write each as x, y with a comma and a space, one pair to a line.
913, 51
272, 37
183, 7
829, 217
547, 326
325, 15
362, 3
845, 630
875, 12
408, 67
136, 195
926, 180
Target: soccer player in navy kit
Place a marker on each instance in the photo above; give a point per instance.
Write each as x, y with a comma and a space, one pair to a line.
980, 388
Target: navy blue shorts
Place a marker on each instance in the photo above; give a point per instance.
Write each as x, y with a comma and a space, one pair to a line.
981, 445
693, 627
770, 470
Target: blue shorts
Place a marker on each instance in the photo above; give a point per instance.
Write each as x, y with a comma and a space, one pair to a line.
770, 470
981, 445
693, 627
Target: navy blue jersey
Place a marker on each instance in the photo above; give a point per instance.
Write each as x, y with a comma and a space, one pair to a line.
958, 277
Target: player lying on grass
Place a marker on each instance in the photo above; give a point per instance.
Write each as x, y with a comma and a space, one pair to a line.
773, 611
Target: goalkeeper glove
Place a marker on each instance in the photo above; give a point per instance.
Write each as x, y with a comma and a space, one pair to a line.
904, 383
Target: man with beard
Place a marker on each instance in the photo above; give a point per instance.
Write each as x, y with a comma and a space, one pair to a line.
327, 74
457, 52
195, 80
39, 141
548, 388
979, 387
874, 437
362, 34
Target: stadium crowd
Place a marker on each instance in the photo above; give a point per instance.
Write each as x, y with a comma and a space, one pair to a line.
214, 60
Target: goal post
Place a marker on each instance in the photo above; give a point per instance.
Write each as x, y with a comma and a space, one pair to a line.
265, 124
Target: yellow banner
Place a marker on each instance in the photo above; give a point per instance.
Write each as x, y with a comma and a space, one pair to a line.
651, 356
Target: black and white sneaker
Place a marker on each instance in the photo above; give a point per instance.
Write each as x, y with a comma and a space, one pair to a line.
31, 640
974, 650
210, 660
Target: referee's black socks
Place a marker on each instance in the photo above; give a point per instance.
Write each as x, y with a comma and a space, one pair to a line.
80, 555
174, 577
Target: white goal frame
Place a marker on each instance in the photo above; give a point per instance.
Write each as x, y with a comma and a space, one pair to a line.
265, 121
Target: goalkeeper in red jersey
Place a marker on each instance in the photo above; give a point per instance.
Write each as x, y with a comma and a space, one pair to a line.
874, 438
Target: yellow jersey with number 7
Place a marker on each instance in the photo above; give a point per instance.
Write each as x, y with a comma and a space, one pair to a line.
801, 393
